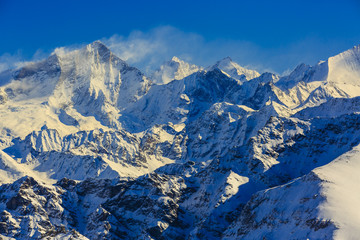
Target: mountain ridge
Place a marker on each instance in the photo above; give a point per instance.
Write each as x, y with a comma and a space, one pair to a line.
90, 144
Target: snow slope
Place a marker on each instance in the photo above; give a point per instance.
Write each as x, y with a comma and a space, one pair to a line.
320, 205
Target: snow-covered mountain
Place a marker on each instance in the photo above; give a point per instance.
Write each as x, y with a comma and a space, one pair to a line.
80, 90
174, 69
91, 148
234, 70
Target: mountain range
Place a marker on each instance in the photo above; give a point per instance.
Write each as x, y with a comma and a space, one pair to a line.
92, 148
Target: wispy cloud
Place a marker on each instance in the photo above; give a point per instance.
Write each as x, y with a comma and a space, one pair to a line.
8, 61
150, 49
17, 60
147, 50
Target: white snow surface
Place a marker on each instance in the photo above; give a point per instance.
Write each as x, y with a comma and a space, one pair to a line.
11, 170
341, 189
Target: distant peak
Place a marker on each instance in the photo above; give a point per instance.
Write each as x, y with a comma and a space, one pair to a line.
224, 62
175, 59
97, 43
227, 59
100, 48
301, 67
174, 69
234, 70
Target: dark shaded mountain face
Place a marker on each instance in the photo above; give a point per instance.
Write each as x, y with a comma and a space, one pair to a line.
91, 148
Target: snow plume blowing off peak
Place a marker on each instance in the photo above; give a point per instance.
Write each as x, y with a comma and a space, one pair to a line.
148, 50
89, 85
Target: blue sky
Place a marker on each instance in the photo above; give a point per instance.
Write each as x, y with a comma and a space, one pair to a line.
265, 35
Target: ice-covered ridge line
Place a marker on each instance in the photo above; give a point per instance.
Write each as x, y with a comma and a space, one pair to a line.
344, 68
339, 75
95, 153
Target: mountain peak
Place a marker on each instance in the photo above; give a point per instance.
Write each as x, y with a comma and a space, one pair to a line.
175, 69
99, 48
234, 70
176, 59
226, 59
98, 44
344, 68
